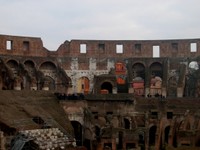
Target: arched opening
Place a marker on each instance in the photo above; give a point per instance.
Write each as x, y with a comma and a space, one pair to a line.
138, 71
50, 73
141, 141
126, 123
30, 66
107, 86
48, 69
156, 69
83, 85
138, 79
13, 65
152, 136
77, 132
167, 129
156, 79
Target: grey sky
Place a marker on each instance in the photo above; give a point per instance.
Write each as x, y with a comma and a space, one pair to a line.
58, 20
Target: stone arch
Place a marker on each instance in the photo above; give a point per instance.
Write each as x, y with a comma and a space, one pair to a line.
156, 69
78, 132
83, 85
49, 71
13, 65
138, 78
75, 113
156, 72
105, 83
29, 65
138, 70
107, 86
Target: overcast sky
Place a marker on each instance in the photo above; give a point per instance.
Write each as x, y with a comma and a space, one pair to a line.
56, 21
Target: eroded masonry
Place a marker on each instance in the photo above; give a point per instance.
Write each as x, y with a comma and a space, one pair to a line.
136, 94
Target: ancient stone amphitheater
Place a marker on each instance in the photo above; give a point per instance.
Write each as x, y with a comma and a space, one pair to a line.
100, 94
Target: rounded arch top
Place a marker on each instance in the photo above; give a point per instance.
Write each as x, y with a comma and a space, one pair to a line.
107, 85
48, 65
29, 63
12, 63
156, 69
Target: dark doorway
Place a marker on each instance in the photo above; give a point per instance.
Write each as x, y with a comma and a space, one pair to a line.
152, 136
107, 86
77, 132
120, 144
126, 123
167, 129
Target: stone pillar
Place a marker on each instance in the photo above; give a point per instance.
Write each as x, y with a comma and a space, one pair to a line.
130, 90
70, 90
17, 83
2, 141
33, 84
164, 92
114, 91
179, 92
147, 91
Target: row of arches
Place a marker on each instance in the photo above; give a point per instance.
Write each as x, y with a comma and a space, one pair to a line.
84, 136
18, 76
29, 76
139, 79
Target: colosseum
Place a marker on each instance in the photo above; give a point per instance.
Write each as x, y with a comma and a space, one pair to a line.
99, 94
